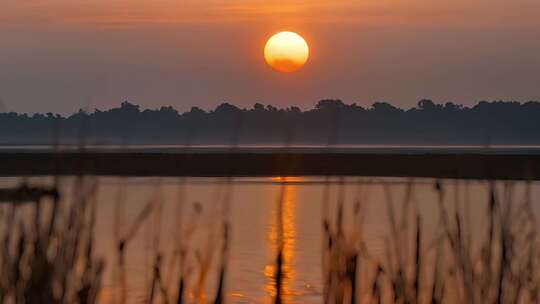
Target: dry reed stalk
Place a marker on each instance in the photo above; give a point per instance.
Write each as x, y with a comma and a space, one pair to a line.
51, 259
278, 276
220, 293
225, 214
122, 244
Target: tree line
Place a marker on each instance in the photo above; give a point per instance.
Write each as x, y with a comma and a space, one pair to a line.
329, 122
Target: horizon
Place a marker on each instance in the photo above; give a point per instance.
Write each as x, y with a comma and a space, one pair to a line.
329, 122
305, 108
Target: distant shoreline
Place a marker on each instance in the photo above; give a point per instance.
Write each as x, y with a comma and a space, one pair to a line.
278, 148
516, 164
330, 121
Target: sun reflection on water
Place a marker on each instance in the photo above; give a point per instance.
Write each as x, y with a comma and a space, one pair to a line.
288, 179
286, 195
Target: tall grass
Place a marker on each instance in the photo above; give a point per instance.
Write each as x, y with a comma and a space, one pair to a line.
48, 245
499, 267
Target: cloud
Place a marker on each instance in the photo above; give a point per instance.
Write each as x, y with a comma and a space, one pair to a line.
117, 13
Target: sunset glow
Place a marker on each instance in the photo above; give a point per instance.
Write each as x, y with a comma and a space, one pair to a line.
286, 52
151, 51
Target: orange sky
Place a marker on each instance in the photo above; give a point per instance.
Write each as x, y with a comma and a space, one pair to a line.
203, 52
137, 12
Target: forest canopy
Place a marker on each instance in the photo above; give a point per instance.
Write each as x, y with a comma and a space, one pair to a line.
329, 122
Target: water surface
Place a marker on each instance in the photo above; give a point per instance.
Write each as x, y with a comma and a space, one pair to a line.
193, 210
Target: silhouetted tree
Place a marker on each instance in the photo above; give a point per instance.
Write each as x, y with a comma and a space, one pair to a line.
502, 122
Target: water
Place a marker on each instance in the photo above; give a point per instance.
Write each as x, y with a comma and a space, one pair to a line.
251, 206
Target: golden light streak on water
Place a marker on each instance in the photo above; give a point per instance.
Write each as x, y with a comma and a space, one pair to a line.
288, 179
287, 194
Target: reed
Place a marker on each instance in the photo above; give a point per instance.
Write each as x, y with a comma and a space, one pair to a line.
446, 269
48, 251
48, 257
342, 250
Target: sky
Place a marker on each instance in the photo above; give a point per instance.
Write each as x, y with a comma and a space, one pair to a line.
63, 55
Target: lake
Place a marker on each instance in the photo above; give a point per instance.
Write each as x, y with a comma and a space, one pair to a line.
187, 215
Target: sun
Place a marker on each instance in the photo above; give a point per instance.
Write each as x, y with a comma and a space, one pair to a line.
286, 52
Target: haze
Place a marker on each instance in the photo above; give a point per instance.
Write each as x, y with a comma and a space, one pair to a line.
59, 56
